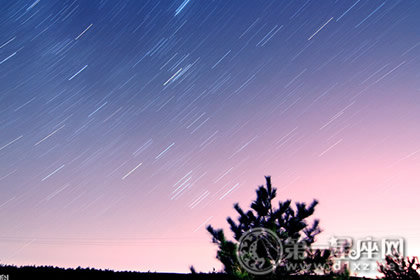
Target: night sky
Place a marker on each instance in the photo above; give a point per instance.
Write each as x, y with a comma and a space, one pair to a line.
127, 126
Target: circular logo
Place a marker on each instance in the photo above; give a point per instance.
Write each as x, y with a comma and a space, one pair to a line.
259, 251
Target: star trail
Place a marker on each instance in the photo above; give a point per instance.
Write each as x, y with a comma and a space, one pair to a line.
127, 126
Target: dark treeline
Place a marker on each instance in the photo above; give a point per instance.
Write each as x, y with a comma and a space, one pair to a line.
50, 272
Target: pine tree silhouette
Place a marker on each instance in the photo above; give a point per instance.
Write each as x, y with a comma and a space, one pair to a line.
287, 223
397, 267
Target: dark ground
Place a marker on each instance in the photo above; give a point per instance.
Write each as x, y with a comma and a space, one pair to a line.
49, 272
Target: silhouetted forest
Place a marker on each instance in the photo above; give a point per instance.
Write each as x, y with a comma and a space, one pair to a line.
50, 272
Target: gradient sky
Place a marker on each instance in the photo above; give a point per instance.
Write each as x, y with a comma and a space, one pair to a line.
127, 126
